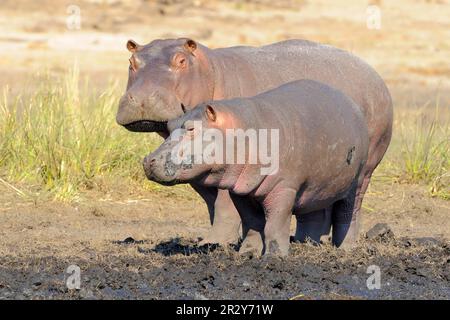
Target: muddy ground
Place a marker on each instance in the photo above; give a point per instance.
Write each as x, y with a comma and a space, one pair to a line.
144, 246
178, 269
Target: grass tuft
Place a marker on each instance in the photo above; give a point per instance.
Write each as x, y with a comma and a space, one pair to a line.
63, 139
420, 149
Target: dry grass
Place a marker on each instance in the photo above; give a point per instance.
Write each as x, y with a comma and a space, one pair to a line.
420, 148
63, 139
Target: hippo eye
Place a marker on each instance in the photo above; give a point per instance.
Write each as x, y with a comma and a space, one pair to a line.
190, 131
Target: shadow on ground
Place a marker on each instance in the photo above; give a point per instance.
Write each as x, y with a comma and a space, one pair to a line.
180, 246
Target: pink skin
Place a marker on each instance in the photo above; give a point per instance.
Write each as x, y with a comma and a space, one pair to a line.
305, 183
154, 93
169, 77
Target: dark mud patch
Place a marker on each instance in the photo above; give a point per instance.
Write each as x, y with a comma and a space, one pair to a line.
409, 269
180, 246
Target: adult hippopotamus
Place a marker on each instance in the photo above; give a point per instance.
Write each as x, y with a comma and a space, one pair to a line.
321, 142
170, 77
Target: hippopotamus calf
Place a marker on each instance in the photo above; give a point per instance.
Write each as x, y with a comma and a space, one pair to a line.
321, 143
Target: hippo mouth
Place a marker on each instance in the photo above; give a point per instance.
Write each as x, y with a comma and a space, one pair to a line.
147, 126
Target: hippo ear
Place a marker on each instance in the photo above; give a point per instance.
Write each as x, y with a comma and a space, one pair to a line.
210, 113
133, 46
190, 45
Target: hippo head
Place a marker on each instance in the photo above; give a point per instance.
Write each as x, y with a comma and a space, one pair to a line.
189, 153
165, 78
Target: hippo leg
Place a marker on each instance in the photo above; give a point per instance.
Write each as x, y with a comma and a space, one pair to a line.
313, 225
224, 217
350, 238
253, 242
345, 224
376, 153
278, 210
253, 221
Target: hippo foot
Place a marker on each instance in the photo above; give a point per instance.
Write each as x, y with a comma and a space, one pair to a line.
345, 236
224, 238
253, 243
276, 248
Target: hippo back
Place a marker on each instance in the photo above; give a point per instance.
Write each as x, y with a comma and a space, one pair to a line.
258, 69
323, 136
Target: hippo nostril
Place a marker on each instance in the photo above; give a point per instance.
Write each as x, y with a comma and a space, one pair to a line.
130, 97
149, 162
183, 108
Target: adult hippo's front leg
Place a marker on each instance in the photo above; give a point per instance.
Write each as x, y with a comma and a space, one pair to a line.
223, 215
253, 222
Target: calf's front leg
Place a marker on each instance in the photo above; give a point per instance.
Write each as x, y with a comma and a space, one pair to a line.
253, 221
278, 206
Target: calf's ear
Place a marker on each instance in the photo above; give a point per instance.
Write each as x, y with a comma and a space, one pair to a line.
210, 113
133, 46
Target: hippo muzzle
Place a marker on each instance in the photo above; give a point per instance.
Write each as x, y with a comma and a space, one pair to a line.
159, 166
139, 112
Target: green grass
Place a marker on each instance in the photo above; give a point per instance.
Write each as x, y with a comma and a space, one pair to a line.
420, 148
63, 139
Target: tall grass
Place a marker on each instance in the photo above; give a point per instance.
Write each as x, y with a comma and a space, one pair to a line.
62, 138
420, 148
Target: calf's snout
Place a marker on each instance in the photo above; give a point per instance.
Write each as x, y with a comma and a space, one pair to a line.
149, 163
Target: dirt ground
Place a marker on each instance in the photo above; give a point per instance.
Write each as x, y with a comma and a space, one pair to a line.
160, 259
145, 247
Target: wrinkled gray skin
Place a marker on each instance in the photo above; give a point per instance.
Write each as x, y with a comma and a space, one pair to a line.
323, 143
168, 77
